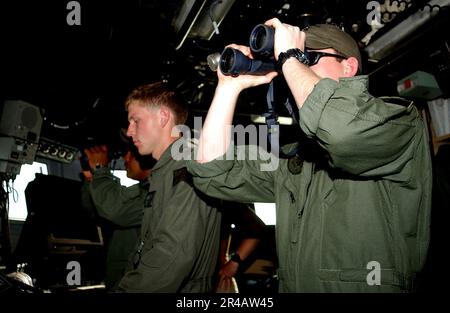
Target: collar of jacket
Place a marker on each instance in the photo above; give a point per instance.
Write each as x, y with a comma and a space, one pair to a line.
165, 157
145, 184
360, 82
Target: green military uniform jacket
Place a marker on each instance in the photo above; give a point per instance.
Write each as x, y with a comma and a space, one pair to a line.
371, 202
124, 206
180, 234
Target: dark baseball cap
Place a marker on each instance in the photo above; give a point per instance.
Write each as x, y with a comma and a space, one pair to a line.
323, 36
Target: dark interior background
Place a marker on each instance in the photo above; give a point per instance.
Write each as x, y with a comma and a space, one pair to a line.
80, 75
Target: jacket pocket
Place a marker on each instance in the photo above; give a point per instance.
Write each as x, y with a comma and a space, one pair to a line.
364, 280
295, 209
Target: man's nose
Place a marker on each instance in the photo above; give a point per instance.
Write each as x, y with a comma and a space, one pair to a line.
130, 131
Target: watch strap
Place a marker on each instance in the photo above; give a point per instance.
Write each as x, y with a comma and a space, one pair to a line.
98, 167
236, 258
292, 53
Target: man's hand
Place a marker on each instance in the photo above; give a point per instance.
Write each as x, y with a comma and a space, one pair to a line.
245, 81
286, 37
300, 78
97, 155
87, 176
229, 269
227, 282
215, 136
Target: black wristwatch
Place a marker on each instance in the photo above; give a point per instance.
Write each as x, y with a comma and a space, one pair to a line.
292, 53
236, 258
97, 167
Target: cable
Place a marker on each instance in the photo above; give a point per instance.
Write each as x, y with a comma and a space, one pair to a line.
5, 239
214, 3
10, 189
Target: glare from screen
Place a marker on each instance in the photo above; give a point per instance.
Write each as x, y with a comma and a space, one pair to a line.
266, 212
124, 180
16, 189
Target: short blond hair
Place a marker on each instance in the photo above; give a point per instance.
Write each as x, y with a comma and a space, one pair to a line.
156, 95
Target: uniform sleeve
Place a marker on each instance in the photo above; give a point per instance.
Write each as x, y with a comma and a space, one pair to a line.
170, 255
122, 205
240, 179
362, 134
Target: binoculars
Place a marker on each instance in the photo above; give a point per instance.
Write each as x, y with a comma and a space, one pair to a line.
234, 62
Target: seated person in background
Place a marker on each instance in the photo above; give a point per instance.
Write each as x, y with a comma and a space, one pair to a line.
121, 205
250, 229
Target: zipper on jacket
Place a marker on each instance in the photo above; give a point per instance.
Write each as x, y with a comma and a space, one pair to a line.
300, 211
296, 220
304, 190
291, 195
137, 255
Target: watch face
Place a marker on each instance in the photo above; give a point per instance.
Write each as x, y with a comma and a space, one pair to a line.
306, 56
301, 56
236, 258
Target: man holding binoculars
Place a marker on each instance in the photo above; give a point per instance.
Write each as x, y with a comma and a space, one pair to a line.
356, 218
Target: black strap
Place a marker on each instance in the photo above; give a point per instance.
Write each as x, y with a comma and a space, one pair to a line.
272, 119
291, 111
138, 254
272, 122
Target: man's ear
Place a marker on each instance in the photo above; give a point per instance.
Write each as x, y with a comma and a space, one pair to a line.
350, 66
164, 115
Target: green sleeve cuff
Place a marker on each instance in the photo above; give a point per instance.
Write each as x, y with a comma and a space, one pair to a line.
101, 172
209, 169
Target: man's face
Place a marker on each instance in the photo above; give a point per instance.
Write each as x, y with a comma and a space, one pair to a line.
132, 166
144, 127
329, 67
